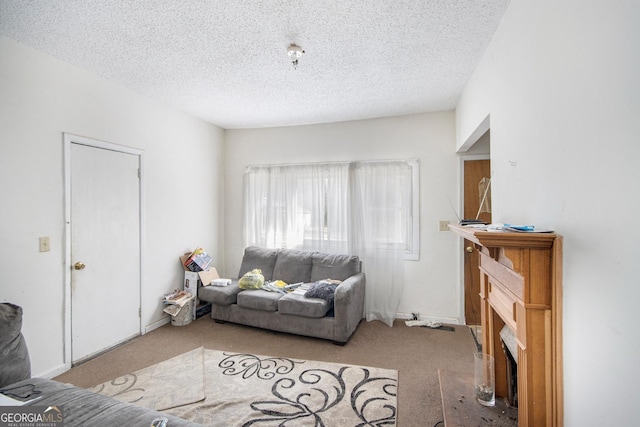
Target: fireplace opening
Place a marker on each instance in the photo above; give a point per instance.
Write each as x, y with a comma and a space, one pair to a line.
510, 349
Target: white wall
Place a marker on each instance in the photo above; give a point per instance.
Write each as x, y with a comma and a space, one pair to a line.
560, 83
40, 98
432, 284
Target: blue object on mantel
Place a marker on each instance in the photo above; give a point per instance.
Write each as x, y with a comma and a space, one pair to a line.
520, 227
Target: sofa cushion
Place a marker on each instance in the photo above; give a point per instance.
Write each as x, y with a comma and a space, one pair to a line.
14, 356
337, 267
259, 299
221, 295
299, 305
293, 266
262, 258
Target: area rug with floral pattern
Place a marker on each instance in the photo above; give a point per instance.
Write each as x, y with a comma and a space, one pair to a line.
217, 388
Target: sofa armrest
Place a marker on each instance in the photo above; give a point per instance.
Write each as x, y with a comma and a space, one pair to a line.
348, 307
82, 407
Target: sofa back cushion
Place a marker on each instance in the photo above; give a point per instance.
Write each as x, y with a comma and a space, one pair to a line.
337, 267
14, 356
262, 258
293, 266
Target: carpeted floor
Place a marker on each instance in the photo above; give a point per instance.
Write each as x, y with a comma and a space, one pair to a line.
415, 352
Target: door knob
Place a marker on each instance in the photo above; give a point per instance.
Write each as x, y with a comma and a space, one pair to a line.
469, 249
79, 266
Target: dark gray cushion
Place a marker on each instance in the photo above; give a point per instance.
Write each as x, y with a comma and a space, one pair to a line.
259, 299
293, 266
262, 258
221, 295
337, 267
14, 356
299, 305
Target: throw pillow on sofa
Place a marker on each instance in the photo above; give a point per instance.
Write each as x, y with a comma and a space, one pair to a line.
14, 356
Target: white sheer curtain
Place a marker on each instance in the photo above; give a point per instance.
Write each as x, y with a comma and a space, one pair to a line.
380, 203
297, 207
359, 208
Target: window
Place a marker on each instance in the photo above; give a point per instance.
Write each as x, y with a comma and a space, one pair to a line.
329, 206
388, 194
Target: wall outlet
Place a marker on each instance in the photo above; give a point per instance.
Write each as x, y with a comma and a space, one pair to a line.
44, 244
444, 225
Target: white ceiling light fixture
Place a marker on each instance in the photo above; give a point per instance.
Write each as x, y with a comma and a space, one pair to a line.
295, 52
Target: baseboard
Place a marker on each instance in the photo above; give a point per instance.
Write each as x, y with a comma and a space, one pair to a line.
61, 369
156, 325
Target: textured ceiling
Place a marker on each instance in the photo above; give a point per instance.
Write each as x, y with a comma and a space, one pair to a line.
225, 61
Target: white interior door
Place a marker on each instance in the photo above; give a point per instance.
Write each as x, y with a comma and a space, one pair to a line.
105, 248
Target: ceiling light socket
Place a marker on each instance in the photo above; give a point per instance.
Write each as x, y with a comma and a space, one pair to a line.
295, 52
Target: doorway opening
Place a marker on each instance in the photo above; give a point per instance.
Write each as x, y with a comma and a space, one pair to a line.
476, 205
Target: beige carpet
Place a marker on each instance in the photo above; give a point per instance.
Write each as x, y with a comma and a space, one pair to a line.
217, 388
416, 353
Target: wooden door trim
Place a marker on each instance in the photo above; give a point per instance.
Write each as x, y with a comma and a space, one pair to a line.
68, 140
461, 271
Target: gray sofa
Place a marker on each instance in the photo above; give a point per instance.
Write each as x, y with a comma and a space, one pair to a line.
293, 313
76, 406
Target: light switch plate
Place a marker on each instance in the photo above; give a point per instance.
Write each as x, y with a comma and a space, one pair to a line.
44, 244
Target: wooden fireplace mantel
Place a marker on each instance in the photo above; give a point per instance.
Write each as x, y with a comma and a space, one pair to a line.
521, 287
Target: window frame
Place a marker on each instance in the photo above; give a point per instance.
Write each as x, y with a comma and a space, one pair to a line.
413, 254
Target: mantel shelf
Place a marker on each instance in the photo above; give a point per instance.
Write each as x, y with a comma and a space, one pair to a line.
504, 239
